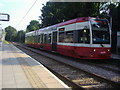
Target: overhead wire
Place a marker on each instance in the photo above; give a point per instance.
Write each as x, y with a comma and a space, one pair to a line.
26, 14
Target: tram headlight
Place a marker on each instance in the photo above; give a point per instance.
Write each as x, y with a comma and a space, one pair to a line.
94, 50
108, 50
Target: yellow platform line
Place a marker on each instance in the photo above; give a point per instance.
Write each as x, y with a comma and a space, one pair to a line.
33, 78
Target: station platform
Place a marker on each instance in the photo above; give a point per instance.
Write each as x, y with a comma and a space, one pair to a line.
18, 70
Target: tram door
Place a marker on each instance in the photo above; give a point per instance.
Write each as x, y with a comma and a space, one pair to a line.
54, 41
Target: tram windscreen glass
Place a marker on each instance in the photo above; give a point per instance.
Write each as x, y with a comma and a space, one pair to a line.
101, 37
100, 31
99, 24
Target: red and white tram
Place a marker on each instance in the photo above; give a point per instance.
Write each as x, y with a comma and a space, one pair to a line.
85, 38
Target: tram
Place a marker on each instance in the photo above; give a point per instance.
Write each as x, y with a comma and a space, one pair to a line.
84, 38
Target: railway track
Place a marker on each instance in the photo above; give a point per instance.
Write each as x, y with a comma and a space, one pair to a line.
113, 67
73, 76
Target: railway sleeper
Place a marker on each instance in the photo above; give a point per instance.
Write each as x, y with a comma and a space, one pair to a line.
97, 86
74, 76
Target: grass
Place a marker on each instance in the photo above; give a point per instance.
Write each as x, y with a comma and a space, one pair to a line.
6, 42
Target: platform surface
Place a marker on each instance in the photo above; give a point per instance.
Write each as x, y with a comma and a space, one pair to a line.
18, 70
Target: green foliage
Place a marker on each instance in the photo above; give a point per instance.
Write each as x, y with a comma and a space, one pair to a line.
21, 36
11, 33
114, 8
55, 12
6, 42
34, 25
114, 15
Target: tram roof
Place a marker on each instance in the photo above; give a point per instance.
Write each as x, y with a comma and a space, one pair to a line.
82, 19
54, 27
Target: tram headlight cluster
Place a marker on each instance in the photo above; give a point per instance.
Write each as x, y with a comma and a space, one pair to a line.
94, 50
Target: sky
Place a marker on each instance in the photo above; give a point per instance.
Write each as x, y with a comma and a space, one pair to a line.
17, 9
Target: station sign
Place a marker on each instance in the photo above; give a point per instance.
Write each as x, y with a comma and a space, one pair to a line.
4, 17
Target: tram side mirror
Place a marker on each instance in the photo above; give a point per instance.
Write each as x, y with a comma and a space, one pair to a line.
4, 17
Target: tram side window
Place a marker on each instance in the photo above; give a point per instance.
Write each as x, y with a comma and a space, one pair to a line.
38, 38
29, 39
45, 37
26, 39
41, 38
68, 37
61, 36
33, 39
49, 38
84, 36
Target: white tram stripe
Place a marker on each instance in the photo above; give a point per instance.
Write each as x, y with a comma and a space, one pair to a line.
84, 45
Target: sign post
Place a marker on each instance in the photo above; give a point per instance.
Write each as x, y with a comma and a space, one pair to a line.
3, 17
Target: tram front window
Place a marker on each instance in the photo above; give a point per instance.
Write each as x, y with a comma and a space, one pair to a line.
101, 37
100, 31
99, 24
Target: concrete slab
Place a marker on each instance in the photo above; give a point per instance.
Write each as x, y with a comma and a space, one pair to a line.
21, 71
0, 66
12, 74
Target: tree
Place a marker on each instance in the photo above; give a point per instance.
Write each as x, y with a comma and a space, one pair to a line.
34, 25
11, 33
56, 12
111, 11
21, 36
